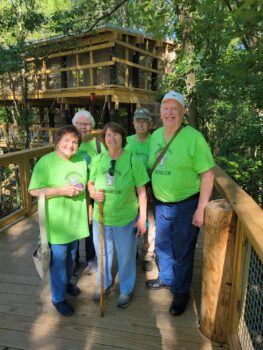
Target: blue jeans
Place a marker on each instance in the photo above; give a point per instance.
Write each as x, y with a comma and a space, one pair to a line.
125, 241
175, 243
61, 268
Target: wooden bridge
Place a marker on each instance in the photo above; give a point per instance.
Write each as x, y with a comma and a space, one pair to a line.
225, 312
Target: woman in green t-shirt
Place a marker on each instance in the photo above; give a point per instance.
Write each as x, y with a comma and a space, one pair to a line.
62, 176
117, 179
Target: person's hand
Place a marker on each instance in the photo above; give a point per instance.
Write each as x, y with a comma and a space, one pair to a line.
71, 191
99, 196
141, 227
198, 218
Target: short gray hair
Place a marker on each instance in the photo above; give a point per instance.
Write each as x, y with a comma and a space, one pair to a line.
86, 114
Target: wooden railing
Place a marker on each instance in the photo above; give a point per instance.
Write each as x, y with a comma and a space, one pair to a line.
10, 135
232, 287
39, 136
232, 283
14, 197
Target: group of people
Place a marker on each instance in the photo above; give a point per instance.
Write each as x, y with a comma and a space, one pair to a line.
158, 184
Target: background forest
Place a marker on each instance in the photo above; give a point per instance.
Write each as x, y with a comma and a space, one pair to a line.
218, 65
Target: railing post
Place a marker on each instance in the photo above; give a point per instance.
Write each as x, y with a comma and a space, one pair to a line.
25, 177
219, 244
50, 136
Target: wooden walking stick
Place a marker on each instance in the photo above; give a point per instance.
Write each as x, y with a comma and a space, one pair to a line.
101, 259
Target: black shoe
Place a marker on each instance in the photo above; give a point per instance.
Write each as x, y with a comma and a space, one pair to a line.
147, 265
73, 290
179, 304
64, 308
156, 284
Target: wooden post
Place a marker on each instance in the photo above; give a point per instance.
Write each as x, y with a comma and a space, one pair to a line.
24, 182
77, 71
91, 70
126, 59
219, 241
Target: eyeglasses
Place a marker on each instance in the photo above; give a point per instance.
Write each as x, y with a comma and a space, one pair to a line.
141, 121
84, 124
112, 167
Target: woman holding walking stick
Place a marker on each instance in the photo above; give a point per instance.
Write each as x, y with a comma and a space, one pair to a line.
123, 178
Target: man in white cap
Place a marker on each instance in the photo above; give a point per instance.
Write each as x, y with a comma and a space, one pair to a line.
182, 183
138, 144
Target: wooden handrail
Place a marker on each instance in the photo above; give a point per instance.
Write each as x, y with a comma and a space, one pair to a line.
247, 210
22, 159
229, 304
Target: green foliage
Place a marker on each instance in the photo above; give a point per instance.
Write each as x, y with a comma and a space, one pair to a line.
222, 46
5, 115
245, 171
218, 42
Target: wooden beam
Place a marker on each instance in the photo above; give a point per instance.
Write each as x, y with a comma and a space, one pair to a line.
126, 67
135, 48
131, 64
86, 49
219, 244
84, 66
237, 279
91, 71
77, 72
44, 70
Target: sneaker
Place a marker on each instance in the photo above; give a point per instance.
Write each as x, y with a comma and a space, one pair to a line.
64, 308
156, 284
124, 300
147, 265
96, 294
179, 304
73, 290
92, 266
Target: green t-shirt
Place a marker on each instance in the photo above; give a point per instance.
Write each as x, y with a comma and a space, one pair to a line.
88, 150
177, 176
66, 217
140, 149
121, 204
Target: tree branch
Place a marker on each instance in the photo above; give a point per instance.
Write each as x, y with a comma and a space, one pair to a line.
106, 15
244, 41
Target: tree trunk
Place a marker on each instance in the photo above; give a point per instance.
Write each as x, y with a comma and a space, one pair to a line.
185, 20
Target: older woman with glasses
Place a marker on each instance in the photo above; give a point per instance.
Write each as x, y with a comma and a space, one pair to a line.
122, 177
89, 148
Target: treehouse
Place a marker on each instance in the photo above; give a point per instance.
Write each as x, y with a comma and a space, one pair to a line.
110, 71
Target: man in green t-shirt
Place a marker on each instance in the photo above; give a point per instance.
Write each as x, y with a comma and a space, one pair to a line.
182, 182
89, 147
138, 144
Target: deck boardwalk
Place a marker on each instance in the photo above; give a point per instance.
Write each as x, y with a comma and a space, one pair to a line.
29, 321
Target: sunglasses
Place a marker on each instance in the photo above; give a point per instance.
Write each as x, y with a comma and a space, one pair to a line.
112, 167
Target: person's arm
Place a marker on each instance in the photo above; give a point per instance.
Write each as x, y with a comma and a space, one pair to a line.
206, 186
141, 221
98, 196
68, 190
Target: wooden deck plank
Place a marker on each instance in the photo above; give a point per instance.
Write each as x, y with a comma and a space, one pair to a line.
29, 321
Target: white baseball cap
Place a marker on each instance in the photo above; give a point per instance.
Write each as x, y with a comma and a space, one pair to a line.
173, 95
